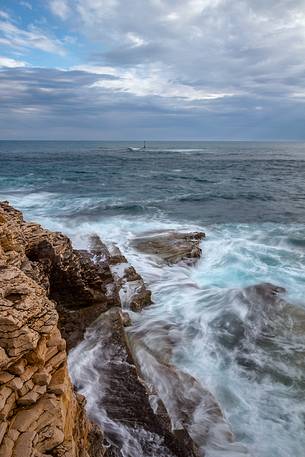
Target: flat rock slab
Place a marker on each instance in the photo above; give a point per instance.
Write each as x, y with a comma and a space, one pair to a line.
172, 247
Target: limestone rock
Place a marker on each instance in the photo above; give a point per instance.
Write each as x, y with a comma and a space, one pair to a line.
39, 411
79, 286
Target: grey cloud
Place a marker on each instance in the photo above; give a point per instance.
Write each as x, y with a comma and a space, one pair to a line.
46, 103
225, 44
247, 55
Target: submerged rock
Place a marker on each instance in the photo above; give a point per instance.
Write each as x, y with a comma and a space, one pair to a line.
172, 247
261, 329
193, 410
103, 369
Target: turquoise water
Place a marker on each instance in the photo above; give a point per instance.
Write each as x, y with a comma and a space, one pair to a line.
249, 199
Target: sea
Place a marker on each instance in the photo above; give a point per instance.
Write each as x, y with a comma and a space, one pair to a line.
249, 199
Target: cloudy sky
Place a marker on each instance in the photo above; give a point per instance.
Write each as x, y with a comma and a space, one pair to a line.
154, 69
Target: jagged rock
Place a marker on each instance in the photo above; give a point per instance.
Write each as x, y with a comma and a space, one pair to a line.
172, 247
24, 445
34, 421
42, 378
196, 417
81, 288
5, 377
133, 292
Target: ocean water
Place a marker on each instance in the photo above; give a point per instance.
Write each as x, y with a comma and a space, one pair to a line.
249, 200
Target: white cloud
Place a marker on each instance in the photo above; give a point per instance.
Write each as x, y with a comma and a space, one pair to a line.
97, 70
4, 15
60, 8
198, 58
135, 40
11, 63
143, 82
15, 37
247, 46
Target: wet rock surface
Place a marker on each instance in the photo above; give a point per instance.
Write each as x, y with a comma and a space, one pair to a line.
81, 288
132, 290
41, 276
117, 389
194, 412
171, 247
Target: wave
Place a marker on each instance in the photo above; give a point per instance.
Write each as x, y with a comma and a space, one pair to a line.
183, 150
169, 150
22, 198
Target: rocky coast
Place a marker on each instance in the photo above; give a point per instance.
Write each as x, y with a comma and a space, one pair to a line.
78, 379
50, 295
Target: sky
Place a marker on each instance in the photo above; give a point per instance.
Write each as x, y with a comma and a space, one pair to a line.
152, 69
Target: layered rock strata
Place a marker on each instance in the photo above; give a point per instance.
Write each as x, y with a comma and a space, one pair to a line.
40, 413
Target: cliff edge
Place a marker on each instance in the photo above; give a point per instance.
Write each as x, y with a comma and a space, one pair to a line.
40, 413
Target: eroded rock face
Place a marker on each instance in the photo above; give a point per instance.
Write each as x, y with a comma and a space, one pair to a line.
81, 289
172, 247
40, 414
132, 290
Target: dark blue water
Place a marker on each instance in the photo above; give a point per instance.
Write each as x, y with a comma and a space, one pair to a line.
203, 182
249, 199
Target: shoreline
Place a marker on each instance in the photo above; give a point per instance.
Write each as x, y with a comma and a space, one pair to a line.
187, 341
82, 285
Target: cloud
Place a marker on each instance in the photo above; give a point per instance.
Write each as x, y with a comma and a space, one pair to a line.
32, 38
153, 81
210, 45
11, 63
26, 4
97, 70
191, 68
4, 15
59, 8
53, 103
